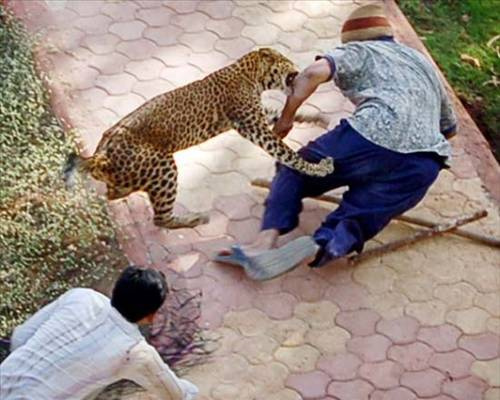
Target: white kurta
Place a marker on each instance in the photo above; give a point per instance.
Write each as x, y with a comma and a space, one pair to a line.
77, 345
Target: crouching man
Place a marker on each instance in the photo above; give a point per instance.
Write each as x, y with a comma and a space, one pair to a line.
82, 342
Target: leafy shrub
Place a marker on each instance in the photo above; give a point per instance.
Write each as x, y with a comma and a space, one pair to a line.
51, 239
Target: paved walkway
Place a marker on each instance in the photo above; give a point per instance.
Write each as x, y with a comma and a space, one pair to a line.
423, 322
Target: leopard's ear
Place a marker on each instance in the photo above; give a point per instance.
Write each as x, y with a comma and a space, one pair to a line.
267, 53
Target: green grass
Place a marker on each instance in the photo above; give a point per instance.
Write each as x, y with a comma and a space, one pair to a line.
450, 28
50, 239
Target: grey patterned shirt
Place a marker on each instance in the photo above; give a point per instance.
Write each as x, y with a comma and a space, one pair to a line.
401, 103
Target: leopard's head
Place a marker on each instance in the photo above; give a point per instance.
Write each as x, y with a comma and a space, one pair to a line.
275, 71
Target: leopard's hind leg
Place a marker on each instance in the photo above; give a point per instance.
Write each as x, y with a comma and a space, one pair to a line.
162, 190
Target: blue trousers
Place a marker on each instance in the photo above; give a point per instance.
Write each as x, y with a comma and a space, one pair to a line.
382, 184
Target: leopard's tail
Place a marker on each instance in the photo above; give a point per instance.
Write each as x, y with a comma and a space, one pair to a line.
75, 163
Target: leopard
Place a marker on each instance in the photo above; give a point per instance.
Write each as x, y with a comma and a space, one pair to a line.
136, 153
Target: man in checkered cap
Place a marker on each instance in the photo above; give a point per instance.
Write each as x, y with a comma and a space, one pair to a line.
388, 152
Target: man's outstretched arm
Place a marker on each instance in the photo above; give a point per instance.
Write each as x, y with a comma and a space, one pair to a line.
303, 86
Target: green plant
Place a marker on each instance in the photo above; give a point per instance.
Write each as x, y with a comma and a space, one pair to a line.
463, 38
51, 239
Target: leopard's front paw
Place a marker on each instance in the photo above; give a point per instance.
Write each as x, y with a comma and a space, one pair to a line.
324, 167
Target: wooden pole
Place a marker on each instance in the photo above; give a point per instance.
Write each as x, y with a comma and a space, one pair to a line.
419, 236
261, 183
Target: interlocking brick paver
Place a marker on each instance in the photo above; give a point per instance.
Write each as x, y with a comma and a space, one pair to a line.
209, 62
256, 349
341, 367
152, 88
488, 302
182, 6
116, 84
428, 313
221, 9
290, 332
198, 42
369, 348
401, 330
356, 389
155, 17
85, 9
276, 305
309, 385
230, 391
129, 30
288, 21
229, 29
145, 70
471, 388
139, 49
232, 368
382, 375
108, 65
249, 323
376, 280
321, 27
493, 325
164, 35
309, 288
192, 22
488, 370
484, 346
234, 48
492, 394
180, 76
298, 41
471, 321
348, 297
105, 58
483, 276
298, 359
285, 394
91, 98
455, 364
319, 315
262, 35
101, 44
253, 15
399, 393
425, 383
173, 56
458, 296
268, 378
414, 356
328, 341
119, 11
359, 323
389, 305
244, 231
94, 25
313, 9
440, 338
123, 104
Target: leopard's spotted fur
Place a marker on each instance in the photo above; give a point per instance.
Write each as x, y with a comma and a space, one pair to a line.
137, 152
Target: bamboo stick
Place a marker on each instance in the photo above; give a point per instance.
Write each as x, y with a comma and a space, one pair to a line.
417, 237
490, 241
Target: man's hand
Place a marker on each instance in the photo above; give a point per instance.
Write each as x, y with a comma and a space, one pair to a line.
304, 85
282, 127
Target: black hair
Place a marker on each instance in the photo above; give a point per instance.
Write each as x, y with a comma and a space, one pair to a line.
139, 292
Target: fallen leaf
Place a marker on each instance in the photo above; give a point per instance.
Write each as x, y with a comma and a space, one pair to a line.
493, 81
470, 60
492, 40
